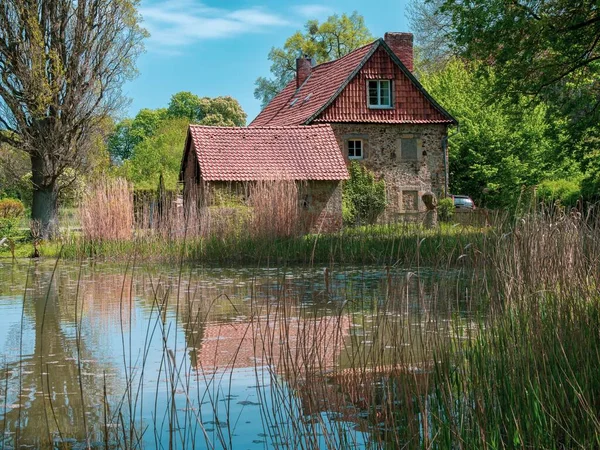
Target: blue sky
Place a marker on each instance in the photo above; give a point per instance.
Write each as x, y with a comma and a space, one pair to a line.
214, 48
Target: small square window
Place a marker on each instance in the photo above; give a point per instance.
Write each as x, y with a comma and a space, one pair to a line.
355, 149
380, 93
410, 200
409, 150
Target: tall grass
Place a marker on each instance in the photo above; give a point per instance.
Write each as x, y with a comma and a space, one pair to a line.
106, 211
275, 209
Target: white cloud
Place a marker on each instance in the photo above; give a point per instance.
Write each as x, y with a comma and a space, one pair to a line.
177, 23
313, 11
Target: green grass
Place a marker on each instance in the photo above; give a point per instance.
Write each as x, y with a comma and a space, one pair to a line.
389, 245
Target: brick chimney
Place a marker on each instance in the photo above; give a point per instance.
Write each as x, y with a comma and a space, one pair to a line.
402, 45
303, 69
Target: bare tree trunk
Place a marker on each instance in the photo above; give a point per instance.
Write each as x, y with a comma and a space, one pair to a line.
45, 199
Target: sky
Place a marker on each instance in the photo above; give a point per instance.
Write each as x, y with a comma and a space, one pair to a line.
213, 48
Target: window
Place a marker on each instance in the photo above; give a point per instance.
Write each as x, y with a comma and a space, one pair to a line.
355, 149
380, 93
410, 200
409, 150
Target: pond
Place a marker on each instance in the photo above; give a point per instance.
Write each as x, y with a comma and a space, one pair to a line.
117, 356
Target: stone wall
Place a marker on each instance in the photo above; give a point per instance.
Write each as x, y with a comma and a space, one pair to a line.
319, 202
321, 206
389, 151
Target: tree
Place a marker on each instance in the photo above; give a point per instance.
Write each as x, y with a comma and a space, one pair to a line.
155, 138
218, 111
158, 154
533, 45
332, 39
130, 132
62, 64
502, 145
432, 33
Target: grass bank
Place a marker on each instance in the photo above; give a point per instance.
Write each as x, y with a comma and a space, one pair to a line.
388, 245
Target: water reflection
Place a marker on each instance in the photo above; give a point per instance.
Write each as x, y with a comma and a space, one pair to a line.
97, 353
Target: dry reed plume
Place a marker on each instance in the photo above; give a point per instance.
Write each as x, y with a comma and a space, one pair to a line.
106, 211
275, 208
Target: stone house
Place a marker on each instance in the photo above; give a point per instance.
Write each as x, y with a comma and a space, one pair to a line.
380, 114
233, 159
366, 106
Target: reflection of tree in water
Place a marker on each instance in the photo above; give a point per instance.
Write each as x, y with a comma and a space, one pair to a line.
61, 392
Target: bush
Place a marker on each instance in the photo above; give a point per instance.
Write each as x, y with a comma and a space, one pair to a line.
11, 208
363, 197
563, 192
445, 209
11, 211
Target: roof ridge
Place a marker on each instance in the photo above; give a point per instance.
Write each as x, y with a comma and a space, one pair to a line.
333, 61
259, 127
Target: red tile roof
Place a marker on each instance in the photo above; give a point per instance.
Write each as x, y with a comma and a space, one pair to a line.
336, 92
267, 153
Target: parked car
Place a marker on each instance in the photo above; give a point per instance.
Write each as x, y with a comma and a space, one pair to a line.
463, 202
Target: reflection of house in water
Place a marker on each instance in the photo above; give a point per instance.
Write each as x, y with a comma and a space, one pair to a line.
290, 345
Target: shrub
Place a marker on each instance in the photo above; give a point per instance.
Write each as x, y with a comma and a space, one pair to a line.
364, 197
563, 192
11, 208
445, 209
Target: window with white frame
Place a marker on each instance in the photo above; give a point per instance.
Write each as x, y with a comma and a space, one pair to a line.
380, 93
355, 149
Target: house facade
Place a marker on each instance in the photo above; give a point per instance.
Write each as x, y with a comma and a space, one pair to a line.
380, 115
233, 160
366, 106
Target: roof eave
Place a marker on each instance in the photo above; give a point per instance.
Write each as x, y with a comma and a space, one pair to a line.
335, 95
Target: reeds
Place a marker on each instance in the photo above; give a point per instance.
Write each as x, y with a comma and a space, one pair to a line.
275, 209
106, 211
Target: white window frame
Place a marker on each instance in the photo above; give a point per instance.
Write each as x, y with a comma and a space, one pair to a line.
362, 148
379, 105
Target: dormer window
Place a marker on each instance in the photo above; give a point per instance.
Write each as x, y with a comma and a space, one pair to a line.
380, 93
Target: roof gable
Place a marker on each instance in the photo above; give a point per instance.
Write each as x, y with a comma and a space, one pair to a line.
332, 93
267, 153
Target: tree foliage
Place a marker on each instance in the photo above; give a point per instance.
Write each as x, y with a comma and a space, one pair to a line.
62, 64
128, 133
542, 53
152, 142
502, 145
158, 154
534, 45
332, 39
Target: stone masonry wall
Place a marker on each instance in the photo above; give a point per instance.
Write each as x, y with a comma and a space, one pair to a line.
319, 202
321, 206
406, 179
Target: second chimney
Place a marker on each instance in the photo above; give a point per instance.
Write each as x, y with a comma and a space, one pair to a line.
303, 69
402, 45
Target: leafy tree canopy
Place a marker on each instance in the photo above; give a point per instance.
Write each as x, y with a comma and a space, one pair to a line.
534, 45
152, 142
332, 39
502, 146
158, 154
128, 133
